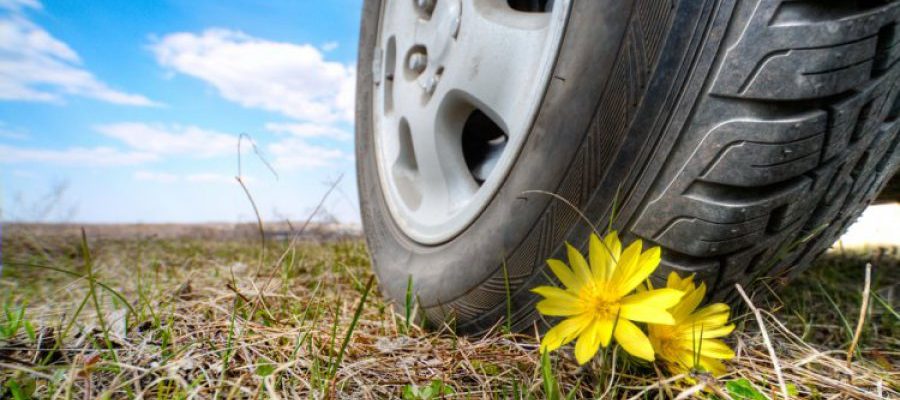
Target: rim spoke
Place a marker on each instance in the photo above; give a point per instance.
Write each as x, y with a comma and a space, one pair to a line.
457, 84
497, 58
396, 20
444, 181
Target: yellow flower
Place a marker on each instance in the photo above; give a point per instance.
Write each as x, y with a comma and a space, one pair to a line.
597, 298
693, 341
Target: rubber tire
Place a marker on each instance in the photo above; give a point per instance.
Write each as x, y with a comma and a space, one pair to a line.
741, 136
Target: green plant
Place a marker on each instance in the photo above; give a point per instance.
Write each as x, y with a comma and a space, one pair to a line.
434, 390
15, 320
551, 386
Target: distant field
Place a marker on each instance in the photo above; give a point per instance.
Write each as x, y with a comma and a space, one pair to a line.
213, 231
193, 311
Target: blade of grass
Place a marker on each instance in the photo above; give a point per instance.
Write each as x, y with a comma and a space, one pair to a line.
89, 265
409, 304
776, 366
862, 314
80, 276
614, 213
886, 306
551, 386
229, 349
508, 323
837, 310
353, 322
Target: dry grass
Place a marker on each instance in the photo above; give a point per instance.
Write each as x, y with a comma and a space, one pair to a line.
225, 319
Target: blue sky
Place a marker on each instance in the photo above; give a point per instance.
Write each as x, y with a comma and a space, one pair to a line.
134, 108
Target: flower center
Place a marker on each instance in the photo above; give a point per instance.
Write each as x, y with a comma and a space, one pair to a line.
604, 307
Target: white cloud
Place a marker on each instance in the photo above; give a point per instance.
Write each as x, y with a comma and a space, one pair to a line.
13, 135
16, 5
21, 173
74, 156
35, 66
171, 139
307, 130
146, 142
292, 79
212, 178
329, 46
161, 177
7, 132
203, 177
295, 153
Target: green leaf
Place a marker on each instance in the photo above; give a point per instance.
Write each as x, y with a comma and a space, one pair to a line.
29, 329
20, 391
410, 392
574, 391
742, 389
265, 370
487, 368
792, 389
551, 387
438, 388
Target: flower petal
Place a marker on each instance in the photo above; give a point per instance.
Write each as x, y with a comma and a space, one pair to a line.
588, 343
716, 348
650, 306
564, 332
690, 301
711, 315
673, 281
558, 308
721, 331
553, 292
712, 309
633, 340
614, 245
579, 265
658, 298
625, 267
713, 366
647, 262
601, 258
605, 331
649, 315
564, 274
679, 361
708, 332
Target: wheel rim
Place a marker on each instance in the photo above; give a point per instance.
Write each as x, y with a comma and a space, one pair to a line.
457, 84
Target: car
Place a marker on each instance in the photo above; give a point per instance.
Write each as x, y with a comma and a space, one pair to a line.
742, 137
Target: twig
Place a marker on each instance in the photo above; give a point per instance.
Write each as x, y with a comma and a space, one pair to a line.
584, 218
862, 314
765, 335
689, 392
568, 203
231, 287
240, 180
612, 374
296, 235
658, 384
32, 372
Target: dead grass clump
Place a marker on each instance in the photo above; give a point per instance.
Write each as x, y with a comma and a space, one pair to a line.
225, 319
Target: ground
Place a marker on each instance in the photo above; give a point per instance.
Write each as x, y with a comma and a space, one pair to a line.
140, 316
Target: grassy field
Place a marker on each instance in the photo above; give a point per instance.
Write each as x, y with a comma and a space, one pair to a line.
181, 318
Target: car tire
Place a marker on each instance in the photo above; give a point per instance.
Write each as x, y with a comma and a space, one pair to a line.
743, 137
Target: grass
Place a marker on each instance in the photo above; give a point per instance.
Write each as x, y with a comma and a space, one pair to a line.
179, 318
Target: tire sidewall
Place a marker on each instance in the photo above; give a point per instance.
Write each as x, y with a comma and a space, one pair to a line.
444, 272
